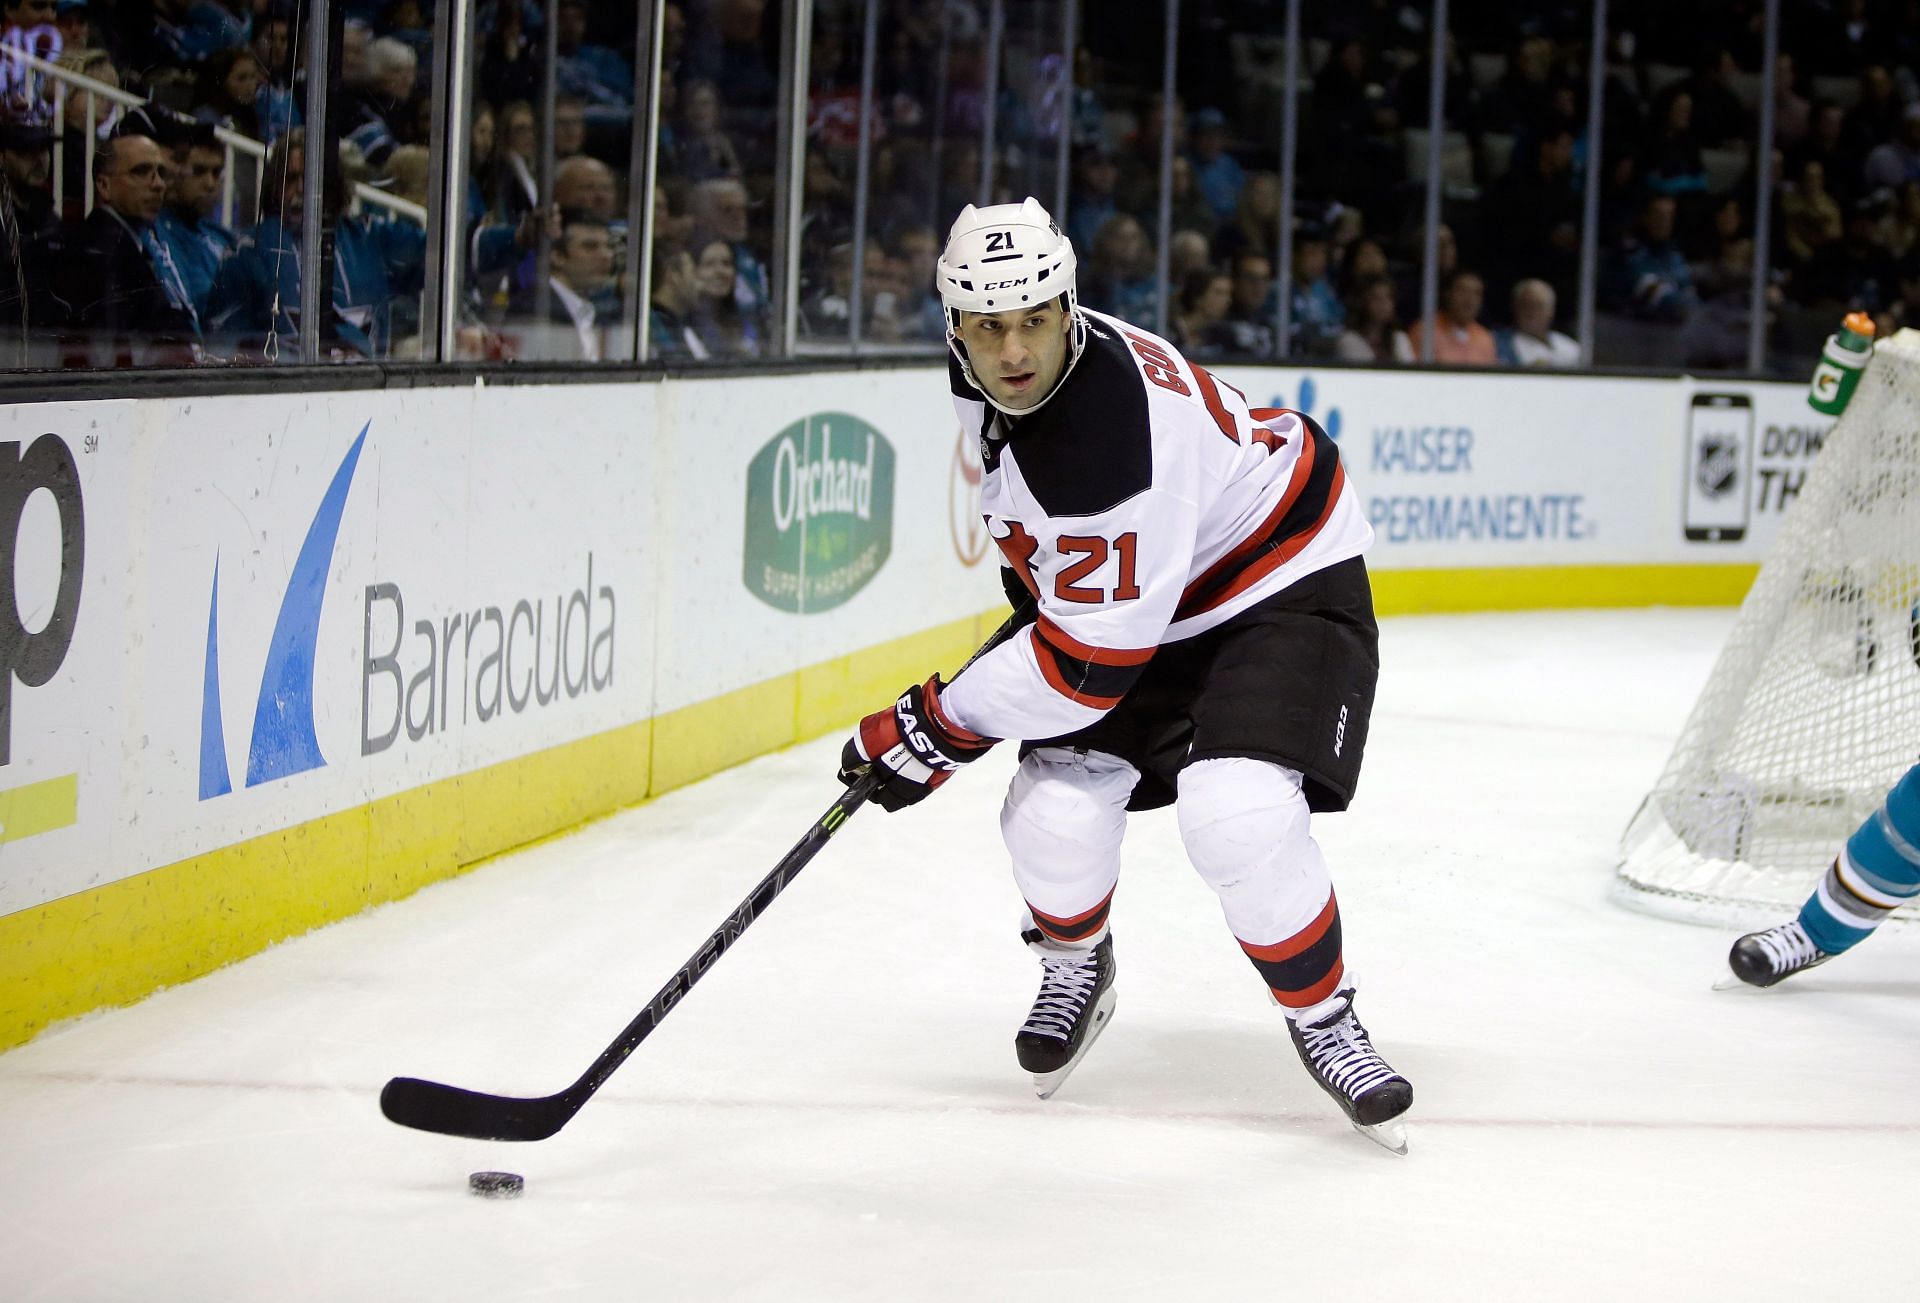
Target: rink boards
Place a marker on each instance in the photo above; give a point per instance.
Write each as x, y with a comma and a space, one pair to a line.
278, 658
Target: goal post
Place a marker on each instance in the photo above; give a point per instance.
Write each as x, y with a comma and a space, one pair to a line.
1812, 710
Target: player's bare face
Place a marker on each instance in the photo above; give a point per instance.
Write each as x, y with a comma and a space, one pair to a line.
1018, 357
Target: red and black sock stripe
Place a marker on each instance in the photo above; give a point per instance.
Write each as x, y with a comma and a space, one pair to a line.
1077, 928
1305, 968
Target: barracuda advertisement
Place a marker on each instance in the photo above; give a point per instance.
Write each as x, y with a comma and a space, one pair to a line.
330, 599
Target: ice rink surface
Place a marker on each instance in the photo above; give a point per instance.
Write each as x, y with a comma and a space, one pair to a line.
836, 1113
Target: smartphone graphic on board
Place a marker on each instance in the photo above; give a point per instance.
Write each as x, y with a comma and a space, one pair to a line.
1719, 467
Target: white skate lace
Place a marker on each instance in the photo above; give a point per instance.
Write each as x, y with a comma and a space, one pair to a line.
1065, 987
1343, 1056
1788, 947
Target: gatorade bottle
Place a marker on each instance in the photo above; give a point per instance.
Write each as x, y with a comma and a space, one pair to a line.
1842, 362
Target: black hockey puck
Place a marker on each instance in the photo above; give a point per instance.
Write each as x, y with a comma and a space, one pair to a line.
496, 1185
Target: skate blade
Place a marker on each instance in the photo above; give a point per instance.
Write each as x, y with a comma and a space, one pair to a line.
1045, 1083
1732, 983
1390, 1135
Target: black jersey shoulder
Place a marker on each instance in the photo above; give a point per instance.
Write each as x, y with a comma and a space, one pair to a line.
1089, 447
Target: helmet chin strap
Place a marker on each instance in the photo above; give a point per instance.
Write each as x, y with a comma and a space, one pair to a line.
1076, 345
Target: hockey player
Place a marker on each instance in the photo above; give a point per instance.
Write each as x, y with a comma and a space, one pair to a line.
1876, 872
1199, 632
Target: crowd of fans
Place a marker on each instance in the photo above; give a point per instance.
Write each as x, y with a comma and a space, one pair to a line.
159, 268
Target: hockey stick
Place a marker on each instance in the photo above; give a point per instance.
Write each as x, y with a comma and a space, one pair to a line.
451, 1111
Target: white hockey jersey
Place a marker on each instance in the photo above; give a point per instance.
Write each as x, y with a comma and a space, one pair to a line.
1144, 503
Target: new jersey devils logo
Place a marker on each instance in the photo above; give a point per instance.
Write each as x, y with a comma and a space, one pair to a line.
964, 523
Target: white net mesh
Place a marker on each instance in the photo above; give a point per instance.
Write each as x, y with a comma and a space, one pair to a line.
1813, 709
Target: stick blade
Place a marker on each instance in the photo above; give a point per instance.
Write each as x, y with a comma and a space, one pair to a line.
451, 1111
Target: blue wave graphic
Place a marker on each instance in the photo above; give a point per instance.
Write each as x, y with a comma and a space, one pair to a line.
214, 780
283, 737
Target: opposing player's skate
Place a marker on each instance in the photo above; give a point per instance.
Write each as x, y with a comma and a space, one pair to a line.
1763, 958
1075, 1002
1336, 1050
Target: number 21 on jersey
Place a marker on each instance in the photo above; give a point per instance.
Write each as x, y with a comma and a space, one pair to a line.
1086, 557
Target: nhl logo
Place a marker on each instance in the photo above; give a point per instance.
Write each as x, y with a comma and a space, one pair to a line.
1717, 471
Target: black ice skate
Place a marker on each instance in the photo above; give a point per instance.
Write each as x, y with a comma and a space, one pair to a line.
1335, 1048
1075, 1002
1763, 958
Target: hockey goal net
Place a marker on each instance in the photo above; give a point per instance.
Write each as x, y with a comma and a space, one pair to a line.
1813, 708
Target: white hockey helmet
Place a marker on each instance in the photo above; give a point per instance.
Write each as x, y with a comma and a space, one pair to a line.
1002, 258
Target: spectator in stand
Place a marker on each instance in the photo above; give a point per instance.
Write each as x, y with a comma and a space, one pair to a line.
26, 163
277, 106
1458, 337
1533, 342
97, 65
1810, 217
730, 47
569, 127
1316, 312
1903, 236
1792, 113
1521, 99
1842, 40
670, 333
600, 78
1365, 260
1373, 332
196, 244
1188, 252
511, 60
1875, 117
1139, 189
1119, 273
719, 208
1895, 162
1650, 277
921, 315
1536, 214
1249, 324
254, 307
1256, 222
125, 300
1670, 163
1199, 327
227, 91
717, 318
405, 176
377, 111
190, 31
1216, 172
1446, 260
1855, 272
26, 219
1189, 210
704, 149
72, 18
1718, 117
1826, 142
519, 160
1091, 201
582, 299
1350, 99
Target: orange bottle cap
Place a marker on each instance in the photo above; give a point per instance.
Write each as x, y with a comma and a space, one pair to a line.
1859, 323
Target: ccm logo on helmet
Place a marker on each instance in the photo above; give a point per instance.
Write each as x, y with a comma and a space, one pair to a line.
1005, 285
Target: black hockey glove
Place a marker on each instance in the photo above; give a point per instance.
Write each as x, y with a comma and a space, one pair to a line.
915, 742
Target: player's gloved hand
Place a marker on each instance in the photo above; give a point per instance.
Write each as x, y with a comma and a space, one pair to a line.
914, 742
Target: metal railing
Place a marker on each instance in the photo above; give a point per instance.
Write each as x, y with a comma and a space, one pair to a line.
66, 82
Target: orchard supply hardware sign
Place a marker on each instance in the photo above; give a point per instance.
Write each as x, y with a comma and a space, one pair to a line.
819, 513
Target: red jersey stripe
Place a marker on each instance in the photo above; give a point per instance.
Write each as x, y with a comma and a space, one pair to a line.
1065, 642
